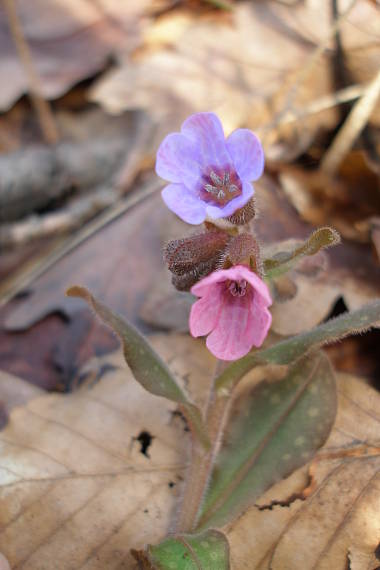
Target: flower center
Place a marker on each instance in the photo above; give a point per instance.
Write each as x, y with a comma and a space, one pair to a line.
238, 288
222, 187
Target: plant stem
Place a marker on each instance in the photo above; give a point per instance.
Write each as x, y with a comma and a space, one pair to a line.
202, 461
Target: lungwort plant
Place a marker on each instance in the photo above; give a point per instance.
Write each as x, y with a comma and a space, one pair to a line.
278, 425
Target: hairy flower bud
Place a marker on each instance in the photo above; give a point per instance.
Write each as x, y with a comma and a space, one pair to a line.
192, 258
243, 249
244, 214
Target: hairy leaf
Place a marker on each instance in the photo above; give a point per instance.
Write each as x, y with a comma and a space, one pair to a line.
278, 427
293, 348
285, 260
146, 365
205, 551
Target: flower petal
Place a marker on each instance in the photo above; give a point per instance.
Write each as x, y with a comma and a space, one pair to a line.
206, 131
230, 208
184, 203
204, 312
247, 154
260, 322
231, 337
178, 160
201, 288
262, 294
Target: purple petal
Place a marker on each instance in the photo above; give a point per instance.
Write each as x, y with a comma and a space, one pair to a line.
247, 154
206, 131
178, 160
182, 202
231, 207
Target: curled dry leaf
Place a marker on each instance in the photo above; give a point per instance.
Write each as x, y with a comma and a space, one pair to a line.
73, 470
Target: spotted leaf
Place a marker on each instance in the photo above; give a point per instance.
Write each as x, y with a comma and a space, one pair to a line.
206, 551
277, 428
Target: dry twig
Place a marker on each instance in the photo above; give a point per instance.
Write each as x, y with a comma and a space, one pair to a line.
42, 107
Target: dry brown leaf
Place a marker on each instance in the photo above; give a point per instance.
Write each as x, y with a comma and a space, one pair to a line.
14, 392
346, 202
3, 563
77, 492
319, 533
363, 559
69, 40
233, 66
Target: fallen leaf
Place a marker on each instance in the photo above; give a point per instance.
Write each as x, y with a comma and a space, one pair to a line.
81, 455
343, 511
103, 496
204, 67
15, 392
363, 559
69, 40
89, 159
4, 563
115, 265
347, 202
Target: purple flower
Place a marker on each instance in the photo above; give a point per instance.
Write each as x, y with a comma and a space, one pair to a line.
210, 176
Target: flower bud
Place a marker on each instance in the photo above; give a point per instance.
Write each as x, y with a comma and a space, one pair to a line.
244, 214
192, 258
243, 249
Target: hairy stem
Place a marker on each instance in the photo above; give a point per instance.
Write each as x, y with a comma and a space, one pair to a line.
202, 461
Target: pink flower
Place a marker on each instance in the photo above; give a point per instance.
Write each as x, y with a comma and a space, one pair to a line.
234, 308
210, 175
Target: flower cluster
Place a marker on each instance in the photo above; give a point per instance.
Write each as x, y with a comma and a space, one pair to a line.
211, 179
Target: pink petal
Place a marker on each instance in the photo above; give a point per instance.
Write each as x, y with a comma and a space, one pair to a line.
230, 208
202, 287
178, 160
231, 337
247, 154
206, 131
262, 293
260, 323
204, 312
183, 203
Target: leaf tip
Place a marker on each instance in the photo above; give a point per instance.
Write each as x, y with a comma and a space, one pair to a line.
332, 236
78, 291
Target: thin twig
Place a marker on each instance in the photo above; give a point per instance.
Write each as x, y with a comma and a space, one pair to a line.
352, 127
307, 69
318, 105
9, 289
42, 107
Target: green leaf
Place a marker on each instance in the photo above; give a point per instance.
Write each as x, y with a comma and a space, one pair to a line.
295, 347
285, 260
205, 551
146, 365
277, 428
